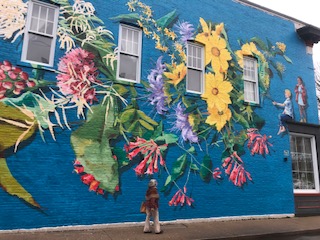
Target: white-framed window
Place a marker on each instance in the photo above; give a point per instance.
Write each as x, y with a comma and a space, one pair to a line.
195, 68
40, 33
250, 78
129, 53
304, 163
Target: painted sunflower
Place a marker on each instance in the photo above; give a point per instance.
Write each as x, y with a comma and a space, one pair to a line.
177, 75
217, 91
219, 118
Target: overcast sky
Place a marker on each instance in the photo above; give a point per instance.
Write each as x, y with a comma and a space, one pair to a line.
304, 10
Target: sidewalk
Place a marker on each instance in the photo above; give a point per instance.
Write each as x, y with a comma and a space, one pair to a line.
184, 230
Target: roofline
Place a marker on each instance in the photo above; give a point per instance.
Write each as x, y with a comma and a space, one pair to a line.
296, 21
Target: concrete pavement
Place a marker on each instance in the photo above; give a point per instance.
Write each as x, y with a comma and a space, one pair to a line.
287, 228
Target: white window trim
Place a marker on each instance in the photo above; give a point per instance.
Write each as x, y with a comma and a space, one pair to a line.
315, 165
138, 77
197, 69
27, 31
257, 95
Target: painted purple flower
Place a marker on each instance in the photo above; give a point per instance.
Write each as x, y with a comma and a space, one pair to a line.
182, 124
156, 90
186, 31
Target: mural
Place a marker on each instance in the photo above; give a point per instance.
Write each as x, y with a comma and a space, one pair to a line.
119, 132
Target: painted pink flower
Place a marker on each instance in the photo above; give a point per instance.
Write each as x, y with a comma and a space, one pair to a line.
180, 198
151, 154
2, 75
24, 76
77, 75
6, 66
31, 84
13, 81
217, 174
7, 85
12, 75
234, 167
257, 143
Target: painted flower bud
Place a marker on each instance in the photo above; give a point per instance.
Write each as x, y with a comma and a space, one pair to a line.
2, 75
2, 89
17, 91
24, 76
31, 84
6, 65
12, 75
20, 84
16, 70
7, 85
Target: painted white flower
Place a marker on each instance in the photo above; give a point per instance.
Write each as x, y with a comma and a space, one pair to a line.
84, 8
12, 18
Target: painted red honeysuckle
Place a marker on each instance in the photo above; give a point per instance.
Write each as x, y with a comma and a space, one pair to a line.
257, 143
180, 198
151, 152
234, 167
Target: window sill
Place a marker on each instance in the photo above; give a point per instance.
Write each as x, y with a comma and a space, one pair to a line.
309, 194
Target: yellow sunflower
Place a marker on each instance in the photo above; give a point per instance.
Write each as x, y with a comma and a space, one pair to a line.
281, 46
178, 73
219, 118
217, 54
203, 37
219, 28
217, 91
248, 49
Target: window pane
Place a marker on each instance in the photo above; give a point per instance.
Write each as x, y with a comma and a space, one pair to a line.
39, 48
249, 91
49, 28
194, 79
34, 24
42, 26
51, 15
35, 10
128, 67
302, 162
43, 13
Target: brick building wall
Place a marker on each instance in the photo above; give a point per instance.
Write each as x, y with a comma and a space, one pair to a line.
41, 187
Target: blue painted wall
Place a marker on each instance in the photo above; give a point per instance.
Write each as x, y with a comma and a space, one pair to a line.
46, 170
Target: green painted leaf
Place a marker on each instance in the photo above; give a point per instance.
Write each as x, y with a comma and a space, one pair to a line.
9, 133
259, 43
168, 181
168, 138
178, 167
287, 59
191, 150
146, 118
9, 184
91, 144
146, 125
134, 128
167, 20
40, 107
121, 156
130, 17
120, 89
194, 167
191, 109
128, 115
206, 168
158, 130
240, 119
